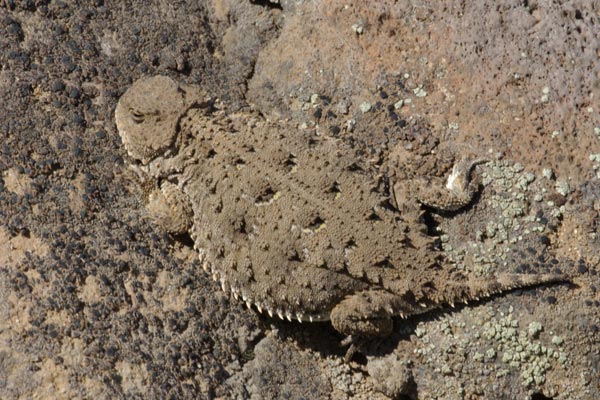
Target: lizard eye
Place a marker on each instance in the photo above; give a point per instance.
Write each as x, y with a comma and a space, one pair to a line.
136, 115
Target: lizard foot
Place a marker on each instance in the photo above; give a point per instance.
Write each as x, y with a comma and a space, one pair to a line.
457, 193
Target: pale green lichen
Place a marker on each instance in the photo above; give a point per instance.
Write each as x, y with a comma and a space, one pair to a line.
419, 91
515, 197
522, 349
557, 340
562, 187
358, 28
547, 173
365, 107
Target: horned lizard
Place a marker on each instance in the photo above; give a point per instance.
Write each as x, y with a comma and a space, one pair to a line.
288, 220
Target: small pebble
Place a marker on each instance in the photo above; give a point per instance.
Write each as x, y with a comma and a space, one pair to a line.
365, 107
548, 173
529, 177
358, 28
342, 108
534, 329
58, 86
74, 93
562, 187
350, 124
419, 92
518, 167
557, 340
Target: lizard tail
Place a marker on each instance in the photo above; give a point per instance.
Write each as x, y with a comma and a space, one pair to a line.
474, 289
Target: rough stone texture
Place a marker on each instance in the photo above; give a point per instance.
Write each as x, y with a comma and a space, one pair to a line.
278, 370
96, 302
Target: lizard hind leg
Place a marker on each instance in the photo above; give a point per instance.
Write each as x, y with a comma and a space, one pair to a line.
367, 313
170, 208
458, 191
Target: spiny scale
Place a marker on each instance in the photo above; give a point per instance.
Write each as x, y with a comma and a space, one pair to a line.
480, 288
283, 315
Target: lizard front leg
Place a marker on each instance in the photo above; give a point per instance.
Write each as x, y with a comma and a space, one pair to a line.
170, 208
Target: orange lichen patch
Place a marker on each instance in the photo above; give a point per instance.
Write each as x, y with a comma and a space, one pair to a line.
90, 292
72, 352
173, 298
17, 313
16, 182
12, 250
53, 378
135, 376
75, 194
60, 319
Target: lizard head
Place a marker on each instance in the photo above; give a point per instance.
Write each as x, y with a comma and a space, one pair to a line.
147, 116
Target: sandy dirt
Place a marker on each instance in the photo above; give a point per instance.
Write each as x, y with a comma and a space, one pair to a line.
97, 302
